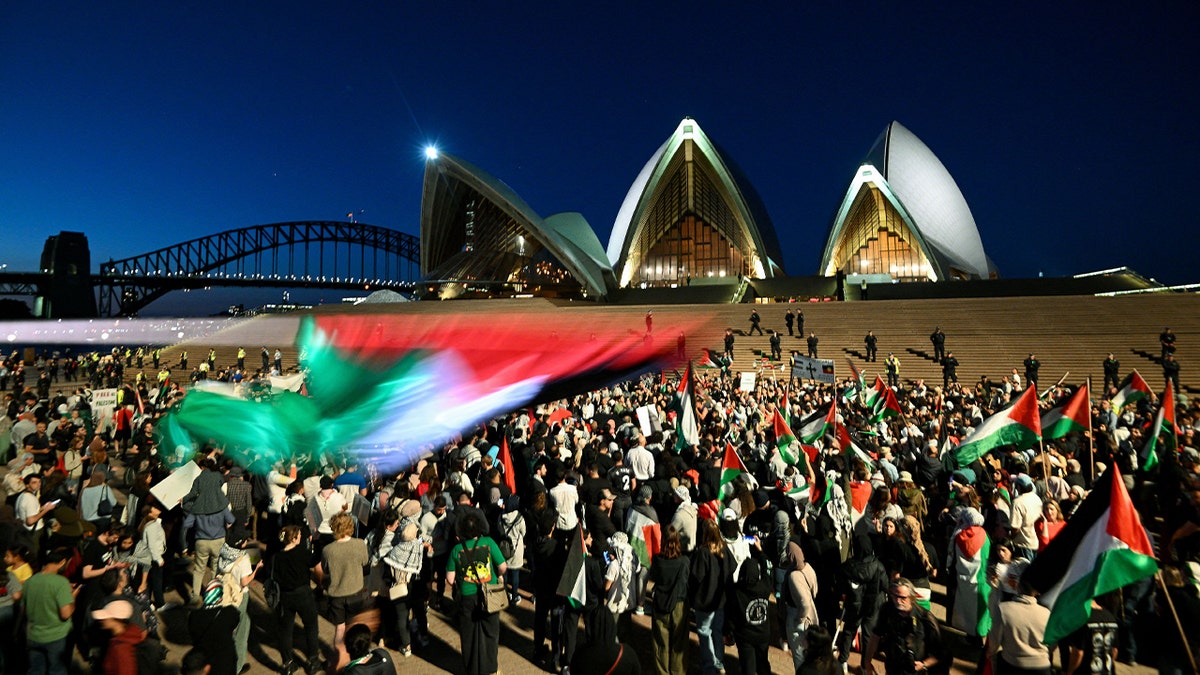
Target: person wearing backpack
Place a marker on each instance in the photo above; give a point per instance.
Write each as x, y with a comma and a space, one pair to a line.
669, 627
476, 560
747, 609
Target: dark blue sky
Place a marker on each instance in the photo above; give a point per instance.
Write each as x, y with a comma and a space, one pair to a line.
1071, 129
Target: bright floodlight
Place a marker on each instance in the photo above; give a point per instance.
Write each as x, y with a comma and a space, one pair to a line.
431, 152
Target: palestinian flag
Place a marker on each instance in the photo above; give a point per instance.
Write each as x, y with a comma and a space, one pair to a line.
1019, 424
871, 397
784, 439
859, 495
972, 549
821, 491
814, 427
851, 450
1102, 548
1164, 426
558, 415
1069, 417
505, 458
645, 536
687, 429
885, 406
712, 359
573, 584
798, 488
732, 465
860, 383
1133, 388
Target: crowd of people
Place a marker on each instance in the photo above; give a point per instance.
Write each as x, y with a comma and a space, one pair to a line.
820, 551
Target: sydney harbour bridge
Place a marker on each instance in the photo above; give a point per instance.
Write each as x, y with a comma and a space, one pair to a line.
305, 254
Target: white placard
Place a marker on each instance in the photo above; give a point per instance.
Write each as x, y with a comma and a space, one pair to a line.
820, 370
748, 380
170, 490
103, 402
648, 420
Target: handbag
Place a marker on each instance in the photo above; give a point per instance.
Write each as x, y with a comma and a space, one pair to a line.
494, 598
105, 507
272, 593
398, 590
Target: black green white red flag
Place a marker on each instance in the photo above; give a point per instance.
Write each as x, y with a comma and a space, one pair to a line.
687, 432
731, 466
814, 427
1103, 547
1132, 389
1069, 417
784, 439
1019, 424
1163, 427
572, 585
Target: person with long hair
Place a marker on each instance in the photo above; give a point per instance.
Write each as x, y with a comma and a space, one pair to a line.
153, 546
918, 566
476, 560
711, 570
89, 501
1050, 524
669, 578
290, 568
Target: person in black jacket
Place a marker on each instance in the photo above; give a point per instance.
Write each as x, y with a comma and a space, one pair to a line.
938, 340
669, 628
863, 582
1112, 371
812, 345
290, 568
747, 606
712, 569
949, 370
1031, 369
871, 343
755, 319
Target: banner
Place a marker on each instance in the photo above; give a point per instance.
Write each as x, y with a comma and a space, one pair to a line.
104, 403
820, 370
288, 383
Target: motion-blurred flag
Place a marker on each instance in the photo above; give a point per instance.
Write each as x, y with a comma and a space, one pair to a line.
688, 430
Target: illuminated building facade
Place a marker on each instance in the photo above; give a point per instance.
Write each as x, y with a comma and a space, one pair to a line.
904, 216
690, 214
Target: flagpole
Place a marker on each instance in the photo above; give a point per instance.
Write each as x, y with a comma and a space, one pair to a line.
1091, 441
1178, 625
1045, 461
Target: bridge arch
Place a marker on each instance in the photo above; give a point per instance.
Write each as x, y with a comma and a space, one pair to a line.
314, 253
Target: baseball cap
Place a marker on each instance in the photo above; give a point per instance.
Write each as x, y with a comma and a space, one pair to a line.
116, 609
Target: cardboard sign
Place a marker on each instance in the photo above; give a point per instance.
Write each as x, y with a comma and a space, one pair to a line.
748, 380
648, 420
171, 490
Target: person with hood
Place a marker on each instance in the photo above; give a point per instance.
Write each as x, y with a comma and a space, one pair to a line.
684, 520
641, 514
800, 596
863, 582
711, 571
618, 583
747, 607
910, 498
968, 557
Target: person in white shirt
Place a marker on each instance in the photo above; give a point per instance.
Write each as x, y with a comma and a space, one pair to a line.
641, 460
566, 502
29, 510
330, 502
1026, 509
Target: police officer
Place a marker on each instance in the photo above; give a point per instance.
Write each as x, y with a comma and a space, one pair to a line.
893, 369
938, 339
870, 341
1112, 370
812, 345
949, 370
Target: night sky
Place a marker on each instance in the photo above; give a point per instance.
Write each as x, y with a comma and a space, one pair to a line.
1070, 128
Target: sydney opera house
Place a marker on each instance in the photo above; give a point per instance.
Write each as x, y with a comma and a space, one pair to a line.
692, 218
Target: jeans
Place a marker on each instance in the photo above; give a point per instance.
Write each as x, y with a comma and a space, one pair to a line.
155, 582
797, 637
241, 634
513, 579
48, 657
298, 601
712, 644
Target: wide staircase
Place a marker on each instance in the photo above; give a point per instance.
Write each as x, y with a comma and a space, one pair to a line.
989, 336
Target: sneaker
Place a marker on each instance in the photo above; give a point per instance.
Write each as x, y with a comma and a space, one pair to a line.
640, 611
406, 652
516, 600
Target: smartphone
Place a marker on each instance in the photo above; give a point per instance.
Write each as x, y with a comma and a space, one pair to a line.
255, 555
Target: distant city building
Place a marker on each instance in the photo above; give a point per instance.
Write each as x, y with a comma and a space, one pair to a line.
904, 216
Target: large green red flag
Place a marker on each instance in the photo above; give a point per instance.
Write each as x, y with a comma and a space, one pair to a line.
1103, 547
814, 427
885, 406
1069, 417
732, 466
1019, 424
